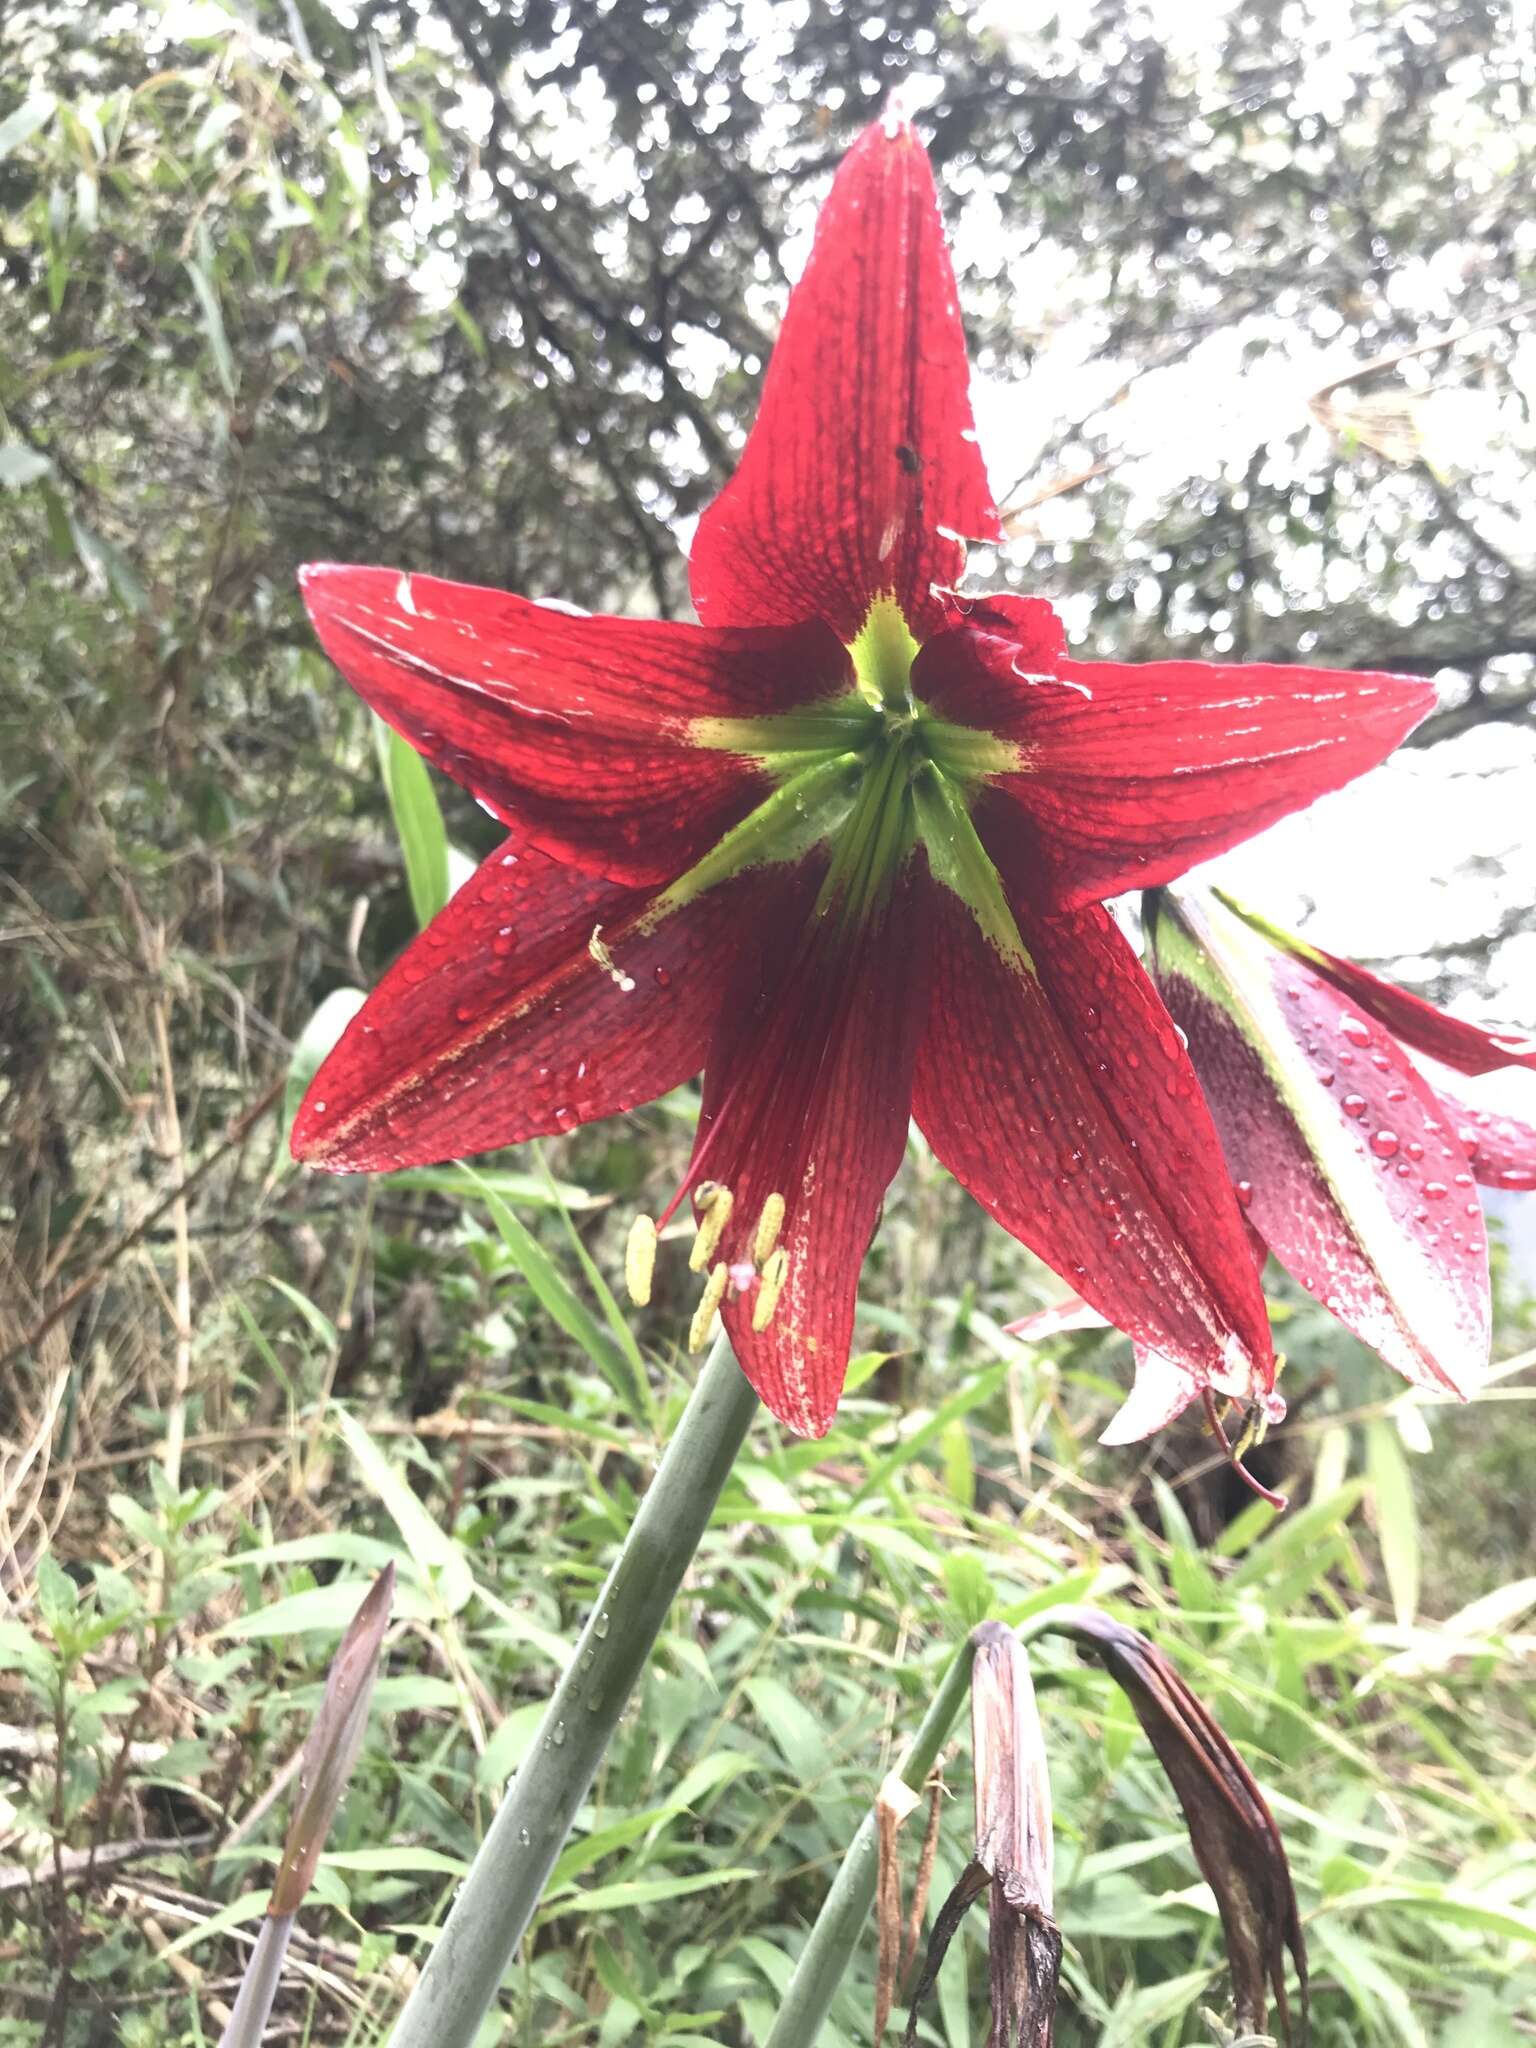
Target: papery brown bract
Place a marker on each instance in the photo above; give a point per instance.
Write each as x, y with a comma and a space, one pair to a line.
1013, 1859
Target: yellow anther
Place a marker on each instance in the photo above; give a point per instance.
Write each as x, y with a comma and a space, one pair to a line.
769, 1289
709, 1301
640, 1260
715, 1204
769, 1224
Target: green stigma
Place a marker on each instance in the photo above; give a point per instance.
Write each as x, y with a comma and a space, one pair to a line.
883, 655
870, 774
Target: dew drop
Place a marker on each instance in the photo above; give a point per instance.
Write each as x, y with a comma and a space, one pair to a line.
1354, 1106
1326, 1077
1519, 1180
524, 1837
1091, 1019
1435, 1191
1356, 1030
1462, 1180
1244, 1191
600, 1626
1384, 1143
318, 1109
1414, 1149
504, 942
663, 979
565, 1118
1397, 1095
465, 1012
1403, 1169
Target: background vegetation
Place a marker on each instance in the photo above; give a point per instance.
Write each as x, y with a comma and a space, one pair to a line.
486, 290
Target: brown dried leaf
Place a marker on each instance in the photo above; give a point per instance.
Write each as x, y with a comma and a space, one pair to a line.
332, 1746
1232, 1831
1013, 1859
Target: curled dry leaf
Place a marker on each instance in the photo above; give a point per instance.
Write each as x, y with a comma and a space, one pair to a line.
1232, 1831
1013, 1857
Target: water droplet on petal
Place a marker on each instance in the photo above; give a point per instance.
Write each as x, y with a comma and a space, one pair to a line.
1414, 1149
1244, 1192
1435, 1191
663, 979
1326, 1077
1397, 1095
1384, 1143
1356, 1030
1354, 1106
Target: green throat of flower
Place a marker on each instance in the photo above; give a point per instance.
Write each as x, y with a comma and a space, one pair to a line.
871, 775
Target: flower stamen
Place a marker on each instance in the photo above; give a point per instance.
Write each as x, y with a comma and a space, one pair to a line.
769, 1224
709, 1302
769, 1289
640, 1260
714, 1204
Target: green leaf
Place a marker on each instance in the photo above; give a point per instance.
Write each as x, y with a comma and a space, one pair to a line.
23, 122
20, 464
418, 820
322, 1608
1397, 1522
213, 327
438, 1558
647, 1891
557, 1297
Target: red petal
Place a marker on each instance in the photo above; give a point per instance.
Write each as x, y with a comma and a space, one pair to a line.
1469, 1048
809, 1081
863, 451
575, 728
1353, 1172
498, 1024
1500, 1149
1066, 1104
1131, 773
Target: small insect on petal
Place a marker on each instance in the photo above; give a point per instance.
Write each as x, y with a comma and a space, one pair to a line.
774, 1270
640, 1260
709, 1302
714, 1204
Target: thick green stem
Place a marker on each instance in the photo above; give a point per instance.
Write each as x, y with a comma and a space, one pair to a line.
846, 1906
497, 1899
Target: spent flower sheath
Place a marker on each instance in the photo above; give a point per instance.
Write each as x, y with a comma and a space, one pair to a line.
843, 846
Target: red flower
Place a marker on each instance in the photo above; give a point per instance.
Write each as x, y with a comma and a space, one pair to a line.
1355, 1170
842, 846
